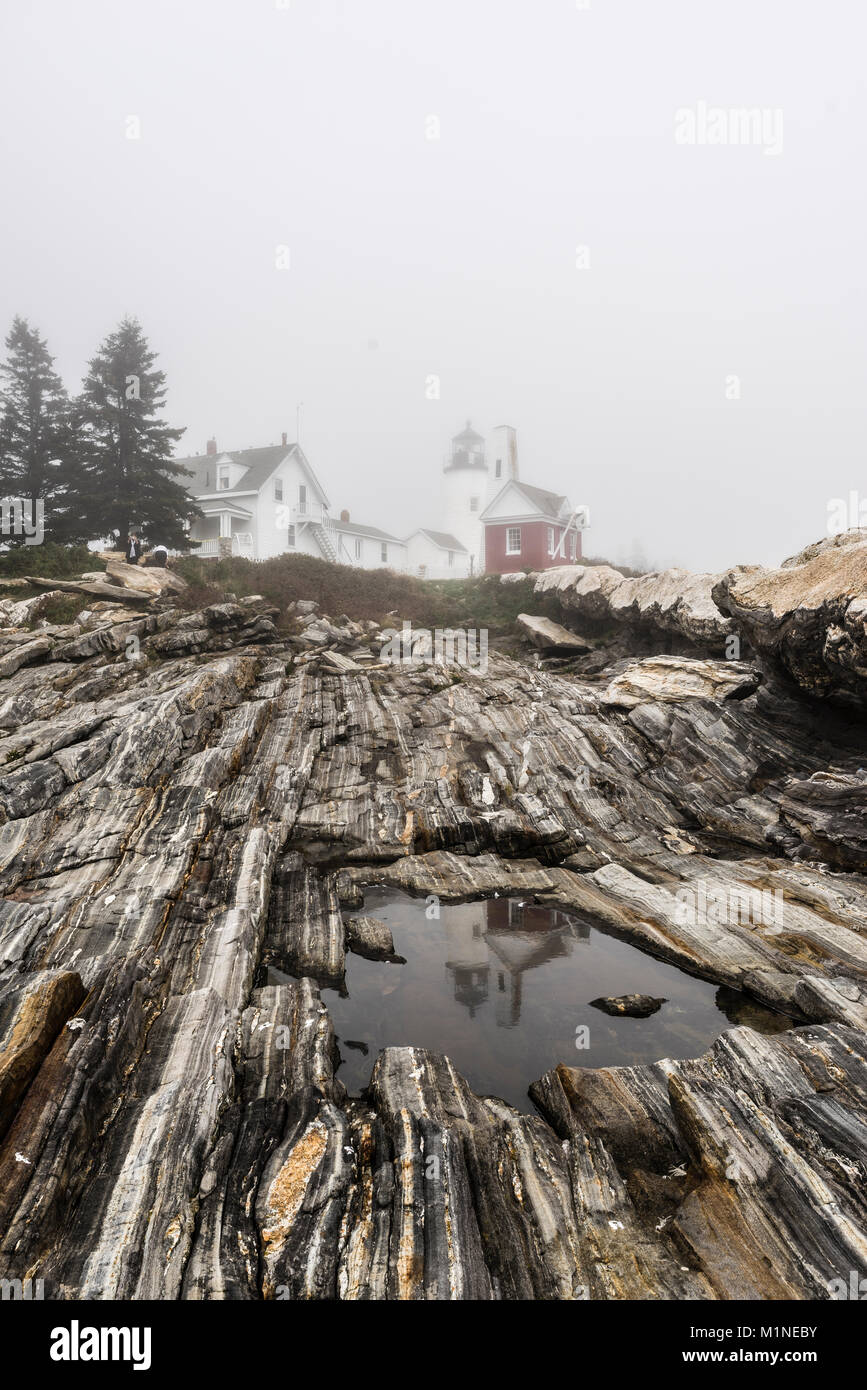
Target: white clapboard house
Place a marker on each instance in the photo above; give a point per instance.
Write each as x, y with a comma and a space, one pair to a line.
258, 503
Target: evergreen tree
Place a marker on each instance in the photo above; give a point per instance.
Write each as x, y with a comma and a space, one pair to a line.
37, 444
129, 480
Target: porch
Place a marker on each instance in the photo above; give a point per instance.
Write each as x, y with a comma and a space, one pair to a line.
224, 530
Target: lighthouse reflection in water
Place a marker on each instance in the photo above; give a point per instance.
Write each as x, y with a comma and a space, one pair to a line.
503, 987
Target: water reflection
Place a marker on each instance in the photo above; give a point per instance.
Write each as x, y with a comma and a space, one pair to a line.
504, 988
491, 944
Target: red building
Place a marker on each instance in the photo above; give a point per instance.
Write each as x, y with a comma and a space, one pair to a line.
529, 528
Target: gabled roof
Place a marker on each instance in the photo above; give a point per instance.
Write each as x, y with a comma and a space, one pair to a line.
547, 503
440, 538
259, 463
354, 528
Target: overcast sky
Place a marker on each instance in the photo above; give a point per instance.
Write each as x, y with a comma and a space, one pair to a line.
708, 269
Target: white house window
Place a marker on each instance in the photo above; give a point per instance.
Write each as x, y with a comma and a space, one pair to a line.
358, 547
474, 504
290, 536
570, 545
223, 478
384, 553
513, 540
302, 500
516, 913
550, 540
498, 468
278, 489
451, 558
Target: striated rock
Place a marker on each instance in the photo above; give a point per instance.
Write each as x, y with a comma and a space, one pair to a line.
549, 636
672, 679
689, 1160
629, 1005
809, 617
183, 818
26, 610
337, 662
23, 653
149, 579
855, 536
30, 1019
110, 593
365, 936
671, 602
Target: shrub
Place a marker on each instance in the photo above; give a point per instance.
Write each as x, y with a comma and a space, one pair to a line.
59, 610
480, 602
49, 560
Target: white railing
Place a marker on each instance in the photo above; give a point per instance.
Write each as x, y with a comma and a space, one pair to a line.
313, 512
242, 544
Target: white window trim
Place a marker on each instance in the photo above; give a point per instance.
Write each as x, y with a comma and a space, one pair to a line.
511, 549
552, 540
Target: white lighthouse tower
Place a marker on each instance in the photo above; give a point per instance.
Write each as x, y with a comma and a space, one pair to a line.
465, 489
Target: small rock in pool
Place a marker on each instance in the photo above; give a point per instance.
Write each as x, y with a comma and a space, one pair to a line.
367, 937
629, 1005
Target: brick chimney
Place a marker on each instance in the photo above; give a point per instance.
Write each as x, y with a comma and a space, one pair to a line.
284, 439
212, 447
344, 515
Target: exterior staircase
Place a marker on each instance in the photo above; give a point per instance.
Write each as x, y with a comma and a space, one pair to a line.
322, 534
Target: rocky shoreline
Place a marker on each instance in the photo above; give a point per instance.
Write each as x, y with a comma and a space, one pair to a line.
192, 799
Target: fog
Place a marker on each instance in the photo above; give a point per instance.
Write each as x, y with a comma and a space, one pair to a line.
494, 193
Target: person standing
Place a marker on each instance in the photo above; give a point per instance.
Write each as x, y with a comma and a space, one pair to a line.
133, 549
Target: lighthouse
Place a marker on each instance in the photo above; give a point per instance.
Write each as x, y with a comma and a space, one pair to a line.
465, 488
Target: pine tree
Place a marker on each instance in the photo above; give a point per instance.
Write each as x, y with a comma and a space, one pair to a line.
128, 475
37, 444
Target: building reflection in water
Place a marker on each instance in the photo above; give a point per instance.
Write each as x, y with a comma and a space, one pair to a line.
491, 945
